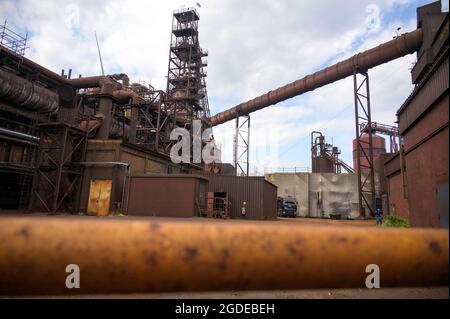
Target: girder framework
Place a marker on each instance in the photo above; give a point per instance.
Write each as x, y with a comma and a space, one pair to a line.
241, 149
187, 98
58, 172
364, 147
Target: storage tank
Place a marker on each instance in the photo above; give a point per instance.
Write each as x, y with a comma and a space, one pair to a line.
379, 147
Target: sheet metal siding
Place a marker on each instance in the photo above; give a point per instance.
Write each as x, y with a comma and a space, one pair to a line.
392, 165
259, 195
422, 98
165, 196
270, 205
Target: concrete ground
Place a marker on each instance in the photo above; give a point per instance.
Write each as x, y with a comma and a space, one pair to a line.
299, 220
383, 293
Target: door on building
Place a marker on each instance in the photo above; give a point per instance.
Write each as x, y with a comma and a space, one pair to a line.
99, 197
442, 196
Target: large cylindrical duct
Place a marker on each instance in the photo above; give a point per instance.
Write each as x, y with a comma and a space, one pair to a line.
405, 44
24, 93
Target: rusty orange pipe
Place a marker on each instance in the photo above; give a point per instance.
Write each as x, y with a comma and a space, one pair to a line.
391, 50
137, 256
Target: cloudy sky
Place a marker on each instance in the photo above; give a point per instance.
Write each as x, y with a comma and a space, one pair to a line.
254, 46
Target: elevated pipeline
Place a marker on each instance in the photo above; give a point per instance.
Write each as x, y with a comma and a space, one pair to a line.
405, 44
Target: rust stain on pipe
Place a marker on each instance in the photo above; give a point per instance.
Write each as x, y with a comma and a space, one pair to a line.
405, 44
137, 256
27, 94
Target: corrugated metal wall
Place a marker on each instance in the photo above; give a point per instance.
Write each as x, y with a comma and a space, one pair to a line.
259, 195
424, 96
174, 195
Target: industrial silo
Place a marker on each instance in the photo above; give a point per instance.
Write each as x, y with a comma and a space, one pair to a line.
378, 148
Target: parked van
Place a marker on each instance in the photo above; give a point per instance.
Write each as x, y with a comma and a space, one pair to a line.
287, 206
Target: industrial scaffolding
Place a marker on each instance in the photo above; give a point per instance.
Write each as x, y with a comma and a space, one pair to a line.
187, 98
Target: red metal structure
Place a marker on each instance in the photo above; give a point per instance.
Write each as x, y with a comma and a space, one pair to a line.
384, 129
378, 148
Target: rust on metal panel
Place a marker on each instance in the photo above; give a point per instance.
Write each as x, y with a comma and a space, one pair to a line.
167, 195
396, 48
424, 96
99, 197
133, 256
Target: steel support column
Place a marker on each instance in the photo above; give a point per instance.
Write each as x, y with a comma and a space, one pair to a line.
241, 149
364, 148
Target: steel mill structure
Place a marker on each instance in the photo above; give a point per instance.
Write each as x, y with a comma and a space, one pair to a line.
186, 85
105, 145
87, 144
325, 157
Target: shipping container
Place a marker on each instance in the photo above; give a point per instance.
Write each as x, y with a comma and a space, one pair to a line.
259, 195
167, 195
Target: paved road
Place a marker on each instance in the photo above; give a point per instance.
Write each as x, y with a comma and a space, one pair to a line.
383, 293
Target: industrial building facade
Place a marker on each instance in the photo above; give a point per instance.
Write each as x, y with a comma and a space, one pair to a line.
418, 176
66, 141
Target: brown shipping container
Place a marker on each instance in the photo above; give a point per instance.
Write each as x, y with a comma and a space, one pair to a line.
167, 195
260, 195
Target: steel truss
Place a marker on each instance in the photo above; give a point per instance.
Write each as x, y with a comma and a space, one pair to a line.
241, 149
58, 174
187, 98
366, 183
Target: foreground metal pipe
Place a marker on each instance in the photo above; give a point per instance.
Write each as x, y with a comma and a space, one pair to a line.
132, 256
405, 44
